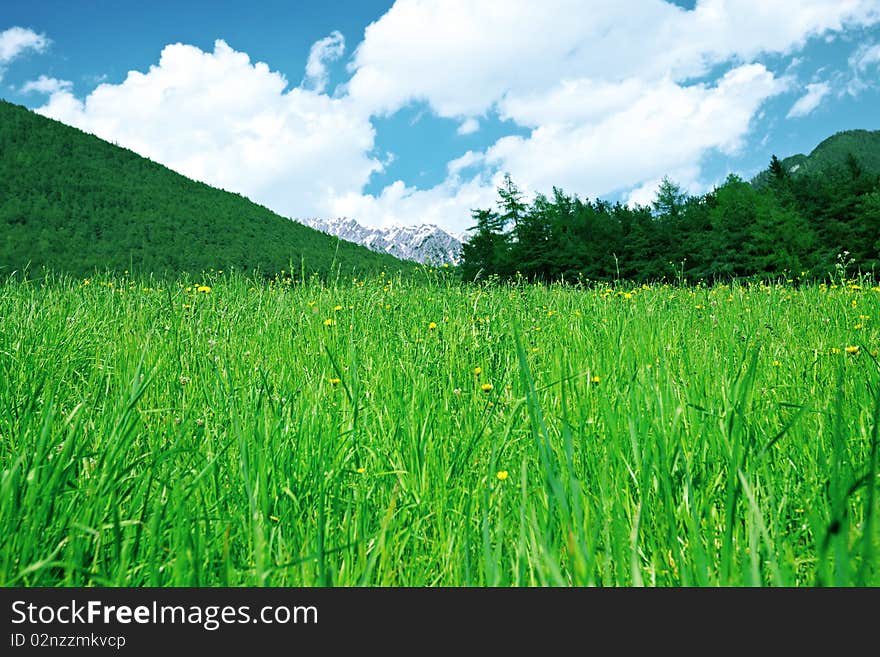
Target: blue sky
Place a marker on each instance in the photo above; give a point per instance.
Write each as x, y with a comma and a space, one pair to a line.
413, 110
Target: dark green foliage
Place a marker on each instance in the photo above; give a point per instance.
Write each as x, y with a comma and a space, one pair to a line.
478, 254
778, 174
74, 203
793, 220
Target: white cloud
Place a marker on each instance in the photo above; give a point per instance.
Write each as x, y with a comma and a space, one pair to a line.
45, 85
572, 102
610, 94
466, 161
814, 95
217, 117
865, 56
468, 127
328, 49
614, 96
661, 128
448, 204
16, 40
463, 56
794, 63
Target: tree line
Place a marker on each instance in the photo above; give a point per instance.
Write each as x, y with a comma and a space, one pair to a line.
780, 225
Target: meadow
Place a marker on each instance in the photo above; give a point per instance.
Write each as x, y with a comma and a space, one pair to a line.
415, 431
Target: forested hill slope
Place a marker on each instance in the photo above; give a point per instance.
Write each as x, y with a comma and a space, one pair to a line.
859, 148
75, 203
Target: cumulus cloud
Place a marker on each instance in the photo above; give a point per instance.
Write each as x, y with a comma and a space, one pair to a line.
463, 56
468, 127
448, 204
46, 85
219, 118
469, 159
17, 40
614, 98
328, 49
814, 95
662, 127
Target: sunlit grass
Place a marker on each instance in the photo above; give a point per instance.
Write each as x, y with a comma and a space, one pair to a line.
226, 431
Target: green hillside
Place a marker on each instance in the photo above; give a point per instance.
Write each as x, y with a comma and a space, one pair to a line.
833, 154
75, 203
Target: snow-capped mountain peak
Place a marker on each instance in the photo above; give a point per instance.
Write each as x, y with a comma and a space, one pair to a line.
425, 243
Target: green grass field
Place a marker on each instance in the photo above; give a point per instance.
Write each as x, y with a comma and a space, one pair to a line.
418, 432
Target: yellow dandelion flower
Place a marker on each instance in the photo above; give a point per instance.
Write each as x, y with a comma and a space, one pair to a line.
335, 381
432, 326
329, 322
203, 288
502, 475
852, 349
478, 371
486, 387
595, 378
776, 363
337, 308
361, 470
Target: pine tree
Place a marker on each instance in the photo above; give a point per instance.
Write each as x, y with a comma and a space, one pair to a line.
481, 254
777, 171
669, 200
511, 203
529, 252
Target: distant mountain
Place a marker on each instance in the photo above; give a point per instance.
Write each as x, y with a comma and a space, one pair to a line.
75, 203
426, 243
832, 154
